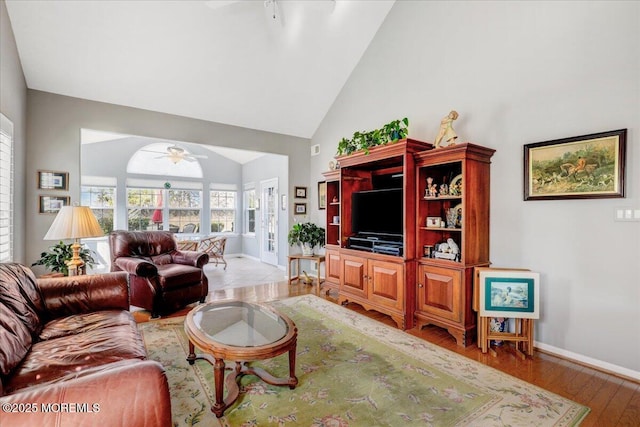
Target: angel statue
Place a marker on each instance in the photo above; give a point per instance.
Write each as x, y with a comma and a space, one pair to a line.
446, 131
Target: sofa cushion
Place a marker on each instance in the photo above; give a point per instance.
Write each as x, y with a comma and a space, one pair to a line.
174, 276
162, 259
105, 338
85, 322
15, 340
141, 243
18, 291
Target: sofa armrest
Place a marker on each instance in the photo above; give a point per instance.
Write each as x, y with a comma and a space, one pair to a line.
135, 394
64, 296
137, 266
194, 258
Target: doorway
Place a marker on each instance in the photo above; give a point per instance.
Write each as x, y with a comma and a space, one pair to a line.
269, 221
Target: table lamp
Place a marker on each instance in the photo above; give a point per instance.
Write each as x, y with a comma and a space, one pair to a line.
74, 222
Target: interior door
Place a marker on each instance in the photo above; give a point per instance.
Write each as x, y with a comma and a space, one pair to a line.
269, 221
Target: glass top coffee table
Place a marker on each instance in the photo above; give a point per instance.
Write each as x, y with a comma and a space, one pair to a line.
240, 332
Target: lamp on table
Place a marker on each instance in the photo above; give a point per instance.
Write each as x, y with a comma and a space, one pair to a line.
74, 222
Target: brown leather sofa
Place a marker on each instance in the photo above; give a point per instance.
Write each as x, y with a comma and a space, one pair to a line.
161, 277
71, 354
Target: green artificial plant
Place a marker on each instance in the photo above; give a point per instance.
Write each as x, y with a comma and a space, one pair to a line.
391, 132
56, 258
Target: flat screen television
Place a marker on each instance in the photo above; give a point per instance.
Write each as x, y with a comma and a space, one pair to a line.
377, 211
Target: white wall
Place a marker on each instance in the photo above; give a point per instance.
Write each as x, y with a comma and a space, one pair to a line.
518, 73
13, 104
263, 168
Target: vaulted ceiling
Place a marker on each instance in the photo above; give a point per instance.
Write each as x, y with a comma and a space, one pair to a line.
224, 61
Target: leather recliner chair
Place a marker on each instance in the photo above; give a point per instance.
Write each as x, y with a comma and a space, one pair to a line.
161, 277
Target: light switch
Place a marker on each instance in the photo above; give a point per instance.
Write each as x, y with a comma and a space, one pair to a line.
628, 214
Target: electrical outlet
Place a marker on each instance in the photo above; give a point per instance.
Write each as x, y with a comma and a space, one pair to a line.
627, 214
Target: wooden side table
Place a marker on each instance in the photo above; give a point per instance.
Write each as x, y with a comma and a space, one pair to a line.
297, 257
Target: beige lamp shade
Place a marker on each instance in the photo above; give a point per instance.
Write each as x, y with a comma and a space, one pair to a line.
74, 222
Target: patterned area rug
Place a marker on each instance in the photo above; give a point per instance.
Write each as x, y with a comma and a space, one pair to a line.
355, 371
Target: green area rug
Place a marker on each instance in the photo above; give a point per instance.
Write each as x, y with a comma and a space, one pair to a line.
355, 371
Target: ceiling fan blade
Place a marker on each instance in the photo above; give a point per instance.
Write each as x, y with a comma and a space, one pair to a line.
189, 159
153, 151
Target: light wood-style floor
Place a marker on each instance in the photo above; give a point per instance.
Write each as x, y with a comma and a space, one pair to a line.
613, 401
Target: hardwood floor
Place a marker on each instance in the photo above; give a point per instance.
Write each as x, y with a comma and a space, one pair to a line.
613, 401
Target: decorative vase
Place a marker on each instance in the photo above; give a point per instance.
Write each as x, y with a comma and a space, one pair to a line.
498, 324
452, 218
307, 249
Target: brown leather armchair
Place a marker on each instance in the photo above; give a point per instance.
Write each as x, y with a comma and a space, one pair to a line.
161, 277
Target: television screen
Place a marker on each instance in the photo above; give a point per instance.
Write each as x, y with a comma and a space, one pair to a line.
377, 211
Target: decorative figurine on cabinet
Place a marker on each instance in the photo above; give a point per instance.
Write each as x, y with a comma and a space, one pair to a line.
432, 189
444, 189
446, 131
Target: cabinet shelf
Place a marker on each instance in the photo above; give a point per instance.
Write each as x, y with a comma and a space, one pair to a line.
435, 199
440, 229
445, 286
334, 203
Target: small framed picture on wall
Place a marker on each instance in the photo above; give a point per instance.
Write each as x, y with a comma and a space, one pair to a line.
300, 208
52, 204
50, 180
301, 192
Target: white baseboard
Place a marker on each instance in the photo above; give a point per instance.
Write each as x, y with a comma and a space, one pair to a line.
588, 361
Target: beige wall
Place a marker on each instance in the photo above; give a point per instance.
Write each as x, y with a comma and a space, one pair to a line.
13, 104
53, 128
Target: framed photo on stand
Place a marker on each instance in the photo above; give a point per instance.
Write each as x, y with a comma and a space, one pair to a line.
509, 293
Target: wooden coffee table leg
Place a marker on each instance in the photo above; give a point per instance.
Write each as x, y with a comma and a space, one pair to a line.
218, 377
293, 380
191, 358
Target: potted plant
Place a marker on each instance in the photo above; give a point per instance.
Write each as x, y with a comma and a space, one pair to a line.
56, 258
363, 141
307, 235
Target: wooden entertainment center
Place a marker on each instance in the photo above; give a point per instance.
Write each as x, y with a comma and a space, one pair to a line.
398, 269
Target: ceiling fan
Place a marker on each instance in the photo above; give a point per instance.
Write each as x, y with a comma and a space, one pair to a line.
176, 154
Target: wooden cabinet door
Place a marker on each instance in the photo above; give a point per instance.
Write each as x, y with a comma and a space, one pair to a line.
440, 292
386, 283
353, 271
332, 266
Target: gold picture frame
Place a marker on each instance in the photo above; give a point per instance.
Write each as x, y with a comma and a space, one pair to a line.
581, 167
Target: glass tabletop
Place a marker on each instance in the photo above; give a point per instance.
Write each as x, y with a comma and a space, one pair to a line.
240, 324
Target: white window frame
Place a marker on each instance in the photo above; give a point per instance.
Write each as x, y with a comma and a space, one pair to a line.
6, 189
249, 207
213, 209
170, 208
83, 191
